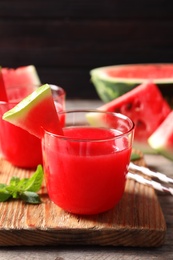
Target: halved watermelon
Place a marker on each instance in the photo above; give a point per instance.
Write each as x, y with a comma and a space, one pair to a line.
113, 81
162, 139
35, 112
147, 108
24, 79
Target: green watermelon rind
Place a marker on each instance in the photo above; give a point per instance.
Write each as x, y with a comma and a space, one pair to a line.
31, 69
109, 88
165, 152
33, 72
158, 140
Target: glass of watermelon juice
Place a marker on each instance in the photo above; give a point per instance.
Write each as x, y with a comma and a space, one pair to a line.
16, 145
85, 169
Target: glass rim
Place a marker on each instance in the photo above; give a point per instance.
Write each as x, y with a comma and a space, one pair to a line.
53, 87
118, 115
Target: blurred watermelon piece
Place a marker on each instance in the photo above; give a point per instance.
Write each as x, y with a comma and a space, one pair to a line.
147, 108
162, 139
23, 79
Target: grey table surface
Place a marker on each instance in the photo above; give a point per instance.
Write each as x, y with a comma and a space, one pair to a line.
157, 162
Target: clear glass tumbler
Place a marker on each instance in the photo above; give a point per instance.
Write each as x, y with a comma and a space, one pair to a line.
16, 145
85, 169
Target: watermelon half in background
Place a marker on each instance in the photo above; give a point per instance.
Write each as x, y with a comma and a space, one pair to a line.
113, 81
147, 108
24, 79
162, 139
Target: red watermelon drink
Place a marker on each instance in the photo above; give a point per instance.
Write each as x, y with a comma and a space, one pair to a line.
18, 146
86, 168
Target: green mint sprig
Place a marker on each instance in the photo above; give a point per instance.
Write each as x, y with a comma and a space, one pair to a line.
135, 156
25, 189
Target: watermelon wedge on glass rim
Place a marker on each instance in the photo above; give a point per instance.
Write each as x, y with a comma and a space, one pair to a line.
21, 146
147, 108
35, 112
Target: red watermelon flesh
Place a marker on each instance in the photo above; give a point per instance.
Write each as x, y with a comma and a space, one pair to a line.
24, 79
3, 94
141, 71
147, 108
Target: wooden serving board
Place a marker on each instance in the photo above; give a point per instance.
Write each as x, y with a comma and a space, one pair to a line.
136, 221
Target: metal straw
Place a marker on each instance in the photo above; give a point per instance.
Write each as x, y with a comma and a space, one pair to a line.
154, 184
162, 177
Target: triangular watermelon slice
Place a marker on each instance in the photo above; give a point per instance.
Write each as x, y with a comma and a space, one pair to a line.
147, 108
20, 82
162, 139
22, 75
35, 113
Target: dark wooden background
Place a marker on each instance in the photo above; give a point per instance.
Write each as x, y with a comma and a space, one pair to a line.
65, 39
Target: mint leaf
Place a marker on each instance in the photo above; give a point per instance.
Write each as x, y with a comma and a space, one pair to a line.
135, 156
35, 181
14, 181
24, 189
4, 195
21, 184
2, 185
30, 197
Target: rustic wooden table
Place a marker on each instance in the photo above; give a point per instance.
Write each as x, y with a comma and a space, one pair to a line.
157, 162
